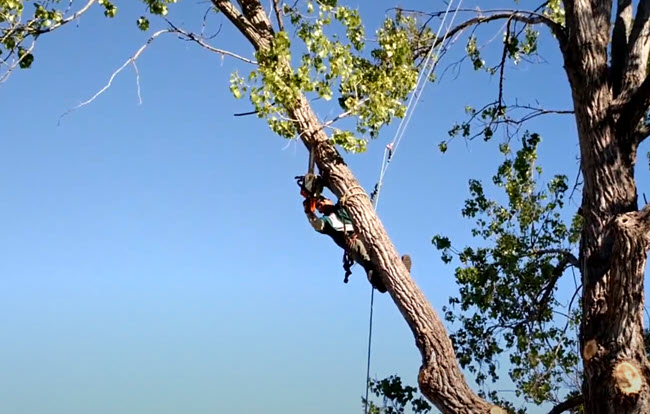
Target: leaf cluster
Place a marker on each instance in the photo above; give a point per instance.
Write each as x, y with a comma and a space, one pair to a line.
507, 284
396, 398
333, 63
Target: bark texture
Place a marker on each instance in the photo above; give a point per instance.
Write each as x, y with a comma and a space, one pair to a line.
614, 242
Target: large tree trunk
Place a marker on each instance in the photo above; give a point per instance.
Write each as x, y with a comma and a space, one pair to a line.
615, 239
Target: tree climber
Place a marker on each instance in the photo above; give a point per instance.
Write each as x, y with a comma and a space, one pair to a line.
336, 223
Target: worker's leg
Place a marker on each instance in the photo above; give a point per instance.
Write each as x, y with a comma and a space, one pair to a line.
360, 255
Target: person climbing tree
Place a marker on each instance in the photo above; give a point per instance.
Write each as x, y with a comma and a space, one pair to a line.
336, 223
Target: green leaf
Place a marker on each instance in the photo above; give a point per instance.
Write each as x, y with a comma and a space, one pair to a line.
25, 58
143, 23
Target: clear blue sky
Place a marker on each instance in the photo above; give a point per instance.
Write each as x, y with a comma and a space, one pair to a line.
155, 257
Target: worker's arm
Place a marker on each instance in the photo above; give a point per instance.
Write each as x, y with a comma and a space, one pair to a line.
317, 223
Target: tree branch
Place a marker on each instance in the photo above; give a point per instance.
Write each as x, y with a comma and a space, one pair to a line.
622, 27
643, 132
200, 41
528, 17
571, 402
570, 257
257, 39
131, 60
639, 46
68, 19
531, 18
278, 14
635, 108
635, 90
638, 220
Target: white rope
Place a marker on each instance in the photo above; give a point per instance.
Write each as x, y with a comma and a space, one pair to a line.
428, 67
389, 151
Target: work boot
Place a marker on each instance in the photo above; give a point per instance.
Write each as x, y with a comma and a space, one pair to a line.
376, 281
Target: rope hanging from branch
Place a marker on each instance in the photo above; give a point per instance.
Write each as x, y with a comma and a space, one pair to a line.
428, 67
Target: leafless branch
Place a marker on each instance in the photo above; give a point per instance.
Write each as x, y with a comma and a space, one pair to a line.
638, 43
278, 14
570, 258
132, 59
634, 73
635, 108
571, 402
528, 17
201, 41
345, 114
622, 27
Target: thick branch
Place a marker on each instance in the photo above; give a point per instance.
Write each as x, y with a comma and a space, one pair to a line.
639, 46
622, 27
519, 16
257, 39
635, 88
567, 256
524, 16
570, 403
636, 107
640, 220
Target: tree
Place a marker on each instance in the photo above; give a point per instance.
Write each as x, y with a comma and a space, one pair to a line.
606, 65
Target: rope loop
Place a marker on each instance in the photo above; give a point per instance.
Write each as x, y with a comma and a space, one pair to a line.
356, 190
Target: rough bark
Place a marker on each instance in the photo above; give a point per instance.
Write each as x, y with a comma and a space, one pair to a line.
614, 242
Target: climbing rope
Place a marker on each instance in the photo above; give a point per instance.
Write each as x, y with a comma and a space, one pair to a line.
428, 66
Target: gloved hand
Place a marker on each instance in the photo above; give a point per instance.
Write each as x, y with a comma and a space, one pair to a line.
309, 205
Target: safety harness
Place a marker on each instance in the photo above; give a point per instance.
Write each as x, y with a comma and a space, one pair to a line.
311, 188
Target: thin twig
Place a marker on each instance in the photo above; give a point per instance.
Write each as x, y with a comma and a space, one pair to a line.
200, 41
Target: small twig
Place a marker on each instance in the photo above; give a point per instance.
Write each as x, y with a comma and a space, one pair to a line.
200, 41
137, 81
246, 113
344, 114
